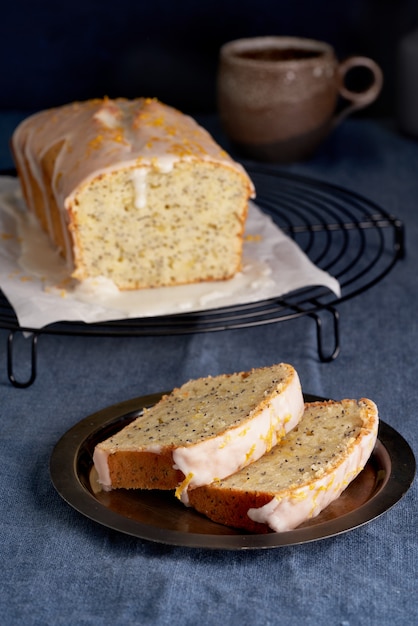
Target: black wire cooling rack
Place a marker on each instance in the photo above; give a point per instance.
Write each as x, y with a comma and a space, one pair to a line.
342, 232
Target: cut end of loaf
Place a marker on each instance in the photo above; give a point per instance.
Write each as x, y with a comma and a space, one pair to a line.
145, 228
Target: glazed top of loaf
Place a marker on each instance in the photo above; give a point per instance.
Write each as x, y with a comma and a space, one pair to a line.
99, 135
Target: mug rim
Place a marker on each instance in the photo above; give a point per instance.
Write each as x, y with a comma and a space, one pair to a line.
232, 49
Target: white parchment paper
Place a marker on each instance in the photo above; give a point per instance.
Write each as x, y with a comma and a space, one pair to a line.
35, 279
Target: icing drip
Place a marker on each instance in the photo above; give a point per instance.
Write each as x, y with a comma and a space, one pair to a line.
139, 179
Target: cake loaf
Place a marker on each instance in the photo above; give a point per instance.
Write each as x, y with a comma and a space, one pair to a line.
300, 476
202, 431
134, 192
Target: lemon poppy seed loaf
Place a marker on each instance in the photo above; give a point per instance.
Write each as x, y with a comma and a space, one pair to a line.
133, 191
308, 469
202, 431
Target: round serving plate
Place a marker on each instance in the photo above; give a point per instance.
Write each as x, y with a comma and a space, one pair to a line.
158, 516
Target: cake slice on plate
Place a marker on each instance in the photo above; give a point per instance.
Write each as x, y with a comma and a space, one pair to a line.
299, 477
203, 431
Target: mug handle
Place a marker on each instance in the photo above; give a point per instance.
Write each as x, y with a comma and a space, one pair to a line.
358, 99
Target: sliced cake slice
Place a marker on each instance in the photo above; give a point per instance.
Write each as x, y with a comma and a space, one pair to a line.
203, 431
300, 476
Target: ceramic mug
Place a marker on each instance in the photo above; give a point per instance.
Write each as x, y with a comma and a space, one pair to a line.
278, 96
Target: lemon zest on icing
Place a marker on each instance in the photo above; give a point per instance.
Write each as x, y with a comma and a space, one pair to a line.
183, 485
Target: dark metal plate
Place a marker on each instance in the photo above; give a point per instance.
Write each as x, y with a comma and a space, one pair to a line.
158, 516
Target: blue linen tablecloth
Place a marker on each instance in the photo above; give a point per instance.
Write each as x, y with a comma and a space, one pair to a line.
58, 567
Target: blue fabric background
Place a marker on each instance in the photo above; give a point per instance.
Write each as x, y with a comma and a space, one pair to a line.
58, 567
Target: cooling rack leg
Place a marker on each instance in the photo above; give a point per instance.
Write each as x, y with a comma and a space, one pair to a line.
10, 361
330, 356
399, 238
